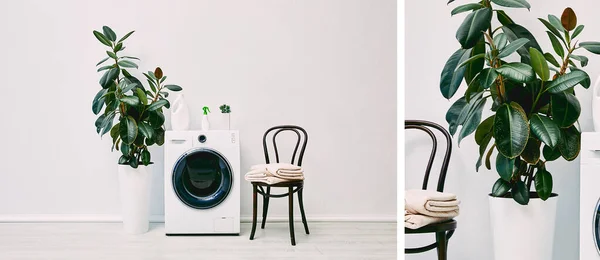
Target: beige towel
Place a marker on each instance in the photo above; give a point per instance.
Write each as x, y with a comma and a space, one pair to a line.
261, 173
281, 170
413, 221
431, 203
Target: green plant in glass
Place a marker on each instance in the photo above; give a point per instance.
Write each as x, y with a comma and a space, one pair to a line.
225, 109
533, 102
137, 111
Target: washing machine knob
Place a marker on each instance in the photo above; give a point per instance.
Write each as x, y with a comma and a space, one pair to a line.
202, 138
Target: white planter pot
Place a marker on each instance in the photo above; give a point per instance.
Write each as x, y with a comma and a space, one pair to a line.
134, 189
523, 232
180, 115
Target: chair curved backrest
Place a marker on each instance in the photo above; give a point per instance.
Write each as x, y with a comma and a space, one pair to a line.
426, 126
302, 138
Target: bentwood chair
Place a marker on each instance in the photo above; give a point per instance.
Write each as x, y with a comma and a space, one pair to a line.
443, 231
292, 187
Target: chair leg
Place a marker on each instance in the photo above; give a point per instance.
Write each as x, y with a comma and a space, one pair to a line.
301, 202
254, 200
442, 244
265, 208
291, 206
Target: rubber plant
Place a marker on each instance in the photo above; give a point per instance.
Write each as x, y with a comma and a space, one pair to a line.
225, 109
532, 94
132, 114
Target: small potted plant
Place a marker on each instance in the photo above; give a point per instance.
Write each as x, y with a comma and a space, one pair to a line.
133, 115
226, 110
534, 114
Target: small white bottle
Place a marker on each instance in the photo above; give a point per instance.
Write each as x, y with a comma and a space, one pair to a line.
180, 115
205, 123
596, 105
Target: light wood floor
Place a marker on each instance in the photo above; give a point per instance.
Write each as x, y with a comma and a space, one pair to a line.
83, 241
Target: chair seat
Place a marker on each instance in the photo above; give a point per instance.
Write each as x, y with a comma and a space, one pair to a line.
433, 228
281, 184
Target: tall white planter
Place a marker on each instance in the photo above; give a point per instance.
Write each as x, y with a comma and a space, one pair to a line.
523, 232
134, 189
180, 115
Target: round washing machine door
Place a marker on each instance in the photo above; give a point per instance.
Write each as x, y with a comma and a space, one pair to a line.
202, 178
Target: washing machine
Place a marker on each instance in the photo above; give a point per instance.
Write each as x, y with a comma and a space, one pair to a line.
202, 182
589, 197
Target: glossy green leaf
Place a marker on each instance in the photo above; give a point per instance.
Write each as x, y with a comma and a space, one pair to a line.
565, 109
570, 143
160, 136
142, 96
584, 60
466, 8
453, 113
518, 72
133, 163
173, 87
551, 59
473, 68
558, 48
451, 78
520, 193
102, 38
146, 130
482, 148
500, 41
531, 153
98, 101
123, 159
156, 119
472, 28
551, 154
545, 129
109, 77
552, 29
577, 31
114, 131
511, 130
158, 104
513, 3
127, 64
145, 156
110, 34
484, 129
566, 81
556, 23
128, 86
586, 82
503, 18
543, 183
505, 167
126, 36
128, 130
111, 54
104, 68
488, 77
500, 188
130, 100
130, 57
539, 64
513, 32
102, 61
473, 119
512, 47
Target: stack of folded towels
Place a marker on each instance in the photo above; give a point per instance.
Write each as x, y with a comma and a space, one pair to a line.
424, 207
273, 173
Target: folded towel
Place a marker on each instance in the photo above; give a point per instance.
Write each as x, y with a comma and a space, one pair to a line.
431, 203
268, 173
415, 221
286, 166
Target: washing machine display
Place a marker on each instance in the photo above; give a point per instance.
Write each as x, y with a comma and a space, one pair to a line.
202, 178
597, 226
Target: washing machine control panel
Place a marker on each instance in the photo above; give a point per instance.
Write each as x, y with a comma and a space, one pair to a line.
232, 138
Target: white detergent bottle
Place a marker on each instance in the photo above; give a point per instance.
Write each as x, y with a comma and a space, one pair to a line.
180, 115
596, 106
205, 123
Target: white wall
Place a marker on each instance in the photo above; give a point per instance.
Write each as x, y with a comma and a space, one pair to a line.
430, 40
328, 66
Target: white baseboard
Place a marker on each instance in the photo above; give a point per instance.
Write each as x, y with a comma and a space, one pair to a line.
100, 218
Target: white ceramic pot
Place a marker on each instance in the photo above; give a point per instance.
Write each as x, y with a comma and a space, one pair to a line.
523, 232
134, 189
596, 105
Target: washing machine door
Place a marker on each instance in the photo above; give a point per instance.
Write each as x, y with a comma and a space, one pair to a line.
597, 226
202, 178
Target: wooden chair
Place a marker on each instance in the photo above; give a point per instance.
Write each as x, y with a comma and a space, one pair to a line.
443, 231
292, 187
